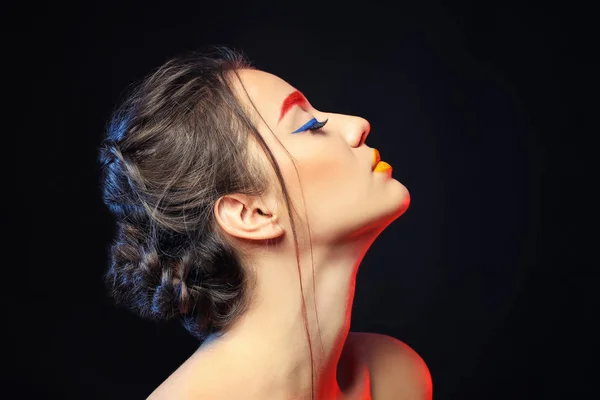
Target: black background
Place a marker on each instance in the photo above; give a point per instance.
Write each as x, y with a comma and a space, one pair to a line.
486, 112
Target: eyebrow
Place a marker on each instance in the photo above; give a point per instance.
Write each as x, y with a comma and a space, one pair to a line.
294, 98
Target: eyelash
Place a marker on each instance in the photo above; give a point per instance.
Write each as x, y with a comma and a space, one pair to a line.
312, 125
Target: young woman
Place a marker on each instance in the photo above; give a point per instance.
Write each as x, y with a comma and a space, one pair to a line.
244, 211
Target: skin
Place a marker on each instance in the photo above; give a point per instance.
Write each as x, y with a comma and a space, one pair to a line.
347, 205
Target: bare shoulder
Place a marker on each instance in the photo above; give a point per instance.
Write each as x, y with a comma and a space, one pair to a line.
186, 382
396, 370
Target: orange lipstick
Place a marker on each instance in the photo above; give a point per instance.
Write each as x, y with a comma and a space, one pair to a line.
379, 166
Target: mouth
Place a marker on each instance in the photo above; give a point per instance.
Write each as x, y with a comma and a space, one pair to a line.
376, 159
378, 165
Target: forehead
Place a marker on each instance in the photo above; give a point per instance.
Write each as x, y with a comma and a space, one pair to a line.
267, 92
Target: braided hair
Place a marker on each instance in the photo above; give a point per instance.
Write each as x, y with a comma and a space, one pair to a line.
171, 150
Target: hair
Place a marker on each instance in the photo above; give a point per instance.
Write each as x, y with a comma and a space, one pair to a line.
177, 143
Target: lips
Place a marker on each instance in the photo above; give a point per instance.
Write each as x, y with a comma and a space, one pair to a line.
376, 158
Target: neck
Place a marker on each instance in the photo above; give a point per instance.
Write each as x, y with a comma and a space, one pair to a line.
270, 338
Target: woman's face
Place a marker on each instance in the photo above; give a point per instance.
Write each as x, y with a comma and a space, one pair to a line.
343, 196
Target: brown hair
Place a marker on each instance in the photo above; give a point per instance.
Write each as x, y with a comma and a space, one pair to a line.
177, 144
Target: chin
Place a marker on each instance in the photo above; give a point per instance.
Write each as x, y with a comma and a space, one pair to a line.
395, 209
401, 203
404, 206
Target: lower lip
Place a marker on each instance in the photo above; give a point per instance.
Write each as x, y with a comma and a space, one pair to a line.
382, 166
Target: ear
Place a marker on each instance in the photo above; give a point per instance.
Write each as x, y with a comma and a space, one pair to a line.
244, 217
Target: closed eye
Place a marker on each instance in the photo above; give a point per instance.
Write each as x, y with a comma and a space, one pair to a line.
311, 125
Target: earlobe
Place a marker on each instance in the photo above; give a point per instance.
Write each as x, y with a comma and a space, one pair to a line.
242, 216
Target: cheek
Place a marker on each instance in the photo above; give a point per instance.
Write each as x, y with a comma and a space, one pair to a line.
337, 198
325, 173
323, 167
330, 182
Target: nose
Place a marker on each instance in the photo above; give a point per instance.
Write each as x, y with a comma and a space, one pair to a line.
357, 130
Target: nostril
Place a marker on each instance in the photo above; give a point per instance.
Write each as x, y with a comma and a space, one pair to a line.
362, 138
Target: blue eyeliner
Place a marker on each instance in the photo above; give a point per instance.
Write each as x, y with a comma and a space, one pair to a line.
312, 124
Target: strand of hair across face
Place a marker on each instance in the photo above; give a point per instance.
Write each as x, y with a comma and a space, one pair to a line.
293, 226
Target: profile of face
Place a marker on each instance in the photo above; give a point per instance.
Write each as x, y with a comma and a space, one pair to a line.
343, 197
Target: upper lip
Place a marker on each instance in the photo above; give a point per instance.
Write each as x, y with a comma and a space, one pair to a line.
376, 158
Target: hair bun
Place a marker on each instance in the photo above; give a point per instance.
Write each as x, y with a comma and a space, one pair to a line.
167, 157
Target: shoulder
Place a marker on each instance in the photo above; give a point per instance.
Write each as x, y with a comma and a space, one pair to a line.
396, 370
